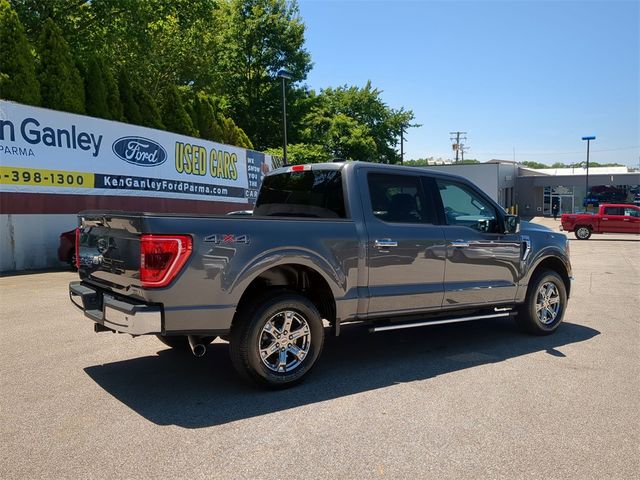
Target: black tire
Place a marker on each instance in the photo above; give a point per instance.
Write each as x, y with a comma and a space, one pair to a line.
250, 333
543, 320
582, 232
180, 342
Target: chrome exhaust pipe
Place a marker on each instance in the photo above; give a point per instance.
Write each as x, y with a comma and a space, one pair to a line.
197, 347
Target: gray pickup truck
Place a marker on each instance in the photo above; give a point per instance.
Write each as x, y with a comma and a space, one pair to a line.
386, 247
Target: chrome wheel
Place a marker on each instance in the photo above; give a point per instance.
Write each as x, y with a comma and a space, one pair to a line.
284, 341
583, 233
547, 303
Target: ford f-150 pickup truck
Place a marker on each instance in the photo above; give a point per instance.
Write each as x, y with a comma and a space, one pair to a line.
611, 218
387, 247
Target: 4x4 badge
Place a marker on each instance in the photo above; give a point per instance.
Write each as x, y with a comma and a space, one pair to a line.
227, 238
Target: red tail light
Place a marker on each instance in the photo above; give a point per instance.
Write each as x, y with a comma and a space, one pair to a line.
77, 248
162, 257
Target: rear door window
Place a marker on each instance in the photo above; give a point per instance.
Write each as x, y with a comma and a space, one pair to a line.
398, 198
613, 210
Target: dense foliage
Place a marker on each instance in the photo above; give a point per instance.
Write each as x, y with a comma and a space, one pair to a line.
206, 68
538, 165
18, 80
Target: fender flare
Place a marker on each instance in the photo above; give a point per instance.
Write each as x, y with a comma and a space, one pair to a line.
335, 277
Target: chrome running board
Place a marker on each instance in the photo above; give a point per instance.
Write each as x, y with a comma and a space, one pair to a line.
438, 322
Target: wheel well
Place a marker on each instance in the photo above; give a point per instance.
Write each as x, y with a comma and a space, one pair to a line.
297, 278
555, 264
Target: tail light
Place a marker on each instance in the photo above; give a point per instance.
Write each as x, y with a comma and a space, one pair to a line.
162, 257
77, 248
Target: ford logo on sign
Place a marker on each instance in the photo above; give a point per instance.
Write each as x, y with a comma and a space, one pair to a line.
140, 151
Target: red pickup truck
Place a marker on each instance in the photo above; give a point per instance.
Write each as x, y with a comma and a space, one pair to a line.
611, 218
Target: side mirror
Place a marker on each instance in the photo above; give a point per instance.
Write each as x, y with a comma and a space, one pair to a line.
511, 224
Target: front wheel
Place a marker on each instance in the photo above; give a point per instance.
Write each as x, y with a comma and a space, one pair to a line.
277, 343
545, 304
582, 233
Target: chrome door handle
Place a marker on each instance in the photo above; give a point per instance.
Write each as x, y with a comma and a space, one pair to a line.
385, 243
625, 219
459, 244
605, 218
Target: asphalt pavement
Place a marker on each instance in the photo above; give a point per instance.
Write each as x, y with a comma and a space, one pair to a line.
475, 400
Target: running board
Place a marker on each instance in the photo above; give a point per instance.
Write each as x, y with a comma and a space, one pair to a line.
439, 322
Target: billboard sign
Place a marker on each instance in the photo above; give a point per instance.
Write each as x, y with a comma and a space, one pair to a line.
47, 151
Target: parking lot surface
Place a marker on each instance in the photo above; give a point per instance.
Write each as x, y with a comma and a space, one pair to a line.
475, 400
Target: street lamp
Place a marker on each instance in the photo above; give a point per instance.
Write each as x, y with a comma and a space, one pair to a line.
284, 75
586, 189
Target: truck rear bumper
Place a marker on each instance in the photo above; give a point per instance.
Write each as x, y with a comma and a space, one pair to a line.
117, 315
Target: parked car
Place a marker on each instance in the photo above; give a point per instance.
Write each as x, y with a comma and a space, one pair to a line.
386, 247
611, 218
67, 247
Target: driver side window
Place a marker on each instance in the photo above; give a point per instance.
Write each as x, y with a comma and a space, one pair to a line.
463, 206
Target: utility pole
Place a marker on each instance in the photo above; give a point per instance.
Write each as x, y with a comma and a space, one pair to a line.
457, 147
586, 186
463, 148
402, 132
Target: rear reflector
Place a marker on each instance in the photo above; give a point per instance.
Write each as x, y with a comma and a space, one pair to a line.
77, 248
162, 257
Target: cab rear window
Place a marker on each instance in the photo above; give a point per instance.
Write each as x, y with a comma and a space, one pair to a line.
308, 193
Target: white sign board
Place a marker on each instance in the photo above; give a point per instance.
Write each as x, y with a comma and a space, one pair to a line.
47, 151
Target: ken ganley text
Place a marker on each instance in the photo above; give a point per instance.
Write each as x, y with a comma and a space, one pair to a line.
33, 133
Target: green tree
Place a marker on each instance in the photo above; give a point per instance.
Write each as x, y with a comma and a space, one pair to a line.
61, 85
299, 153
213, 125
73, 17
205, 114
18, 80
159, 42
234, 135
114, 104
257, 38
149, 112
354, 123
534, 165
95, 90
174, 116
130, 108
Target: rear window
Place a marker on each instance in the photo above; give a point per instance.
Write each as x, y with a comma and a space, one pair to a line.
309, 193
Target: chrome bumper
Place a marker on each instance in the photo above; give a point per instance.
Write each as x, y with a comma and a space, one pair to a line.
117, 315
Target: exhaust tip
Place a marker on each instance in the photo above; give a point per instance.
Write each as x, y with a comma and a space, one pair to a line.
198, 349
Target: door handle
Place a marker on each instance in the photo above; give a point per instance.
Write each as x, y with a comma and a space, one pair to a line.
385, 243
459, 244
605, 218
625, 219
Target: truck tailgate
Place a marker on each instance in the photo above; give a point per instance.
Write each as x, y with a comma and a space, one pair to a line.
109, 249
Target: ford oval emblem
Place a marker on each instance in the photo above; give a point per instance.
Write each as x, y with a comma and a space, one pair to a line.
140, 151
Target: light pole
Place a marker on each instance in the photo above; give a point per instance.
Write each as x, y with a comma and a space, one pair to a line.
586, 187
284, 75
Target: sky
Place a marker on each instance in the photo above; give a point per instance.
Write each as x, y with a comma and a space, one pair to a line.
526, 76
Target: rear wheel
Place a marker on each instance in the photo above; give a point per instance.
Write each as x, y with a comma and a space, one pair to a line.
180, 342
545, 304
278, 342
582, 232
